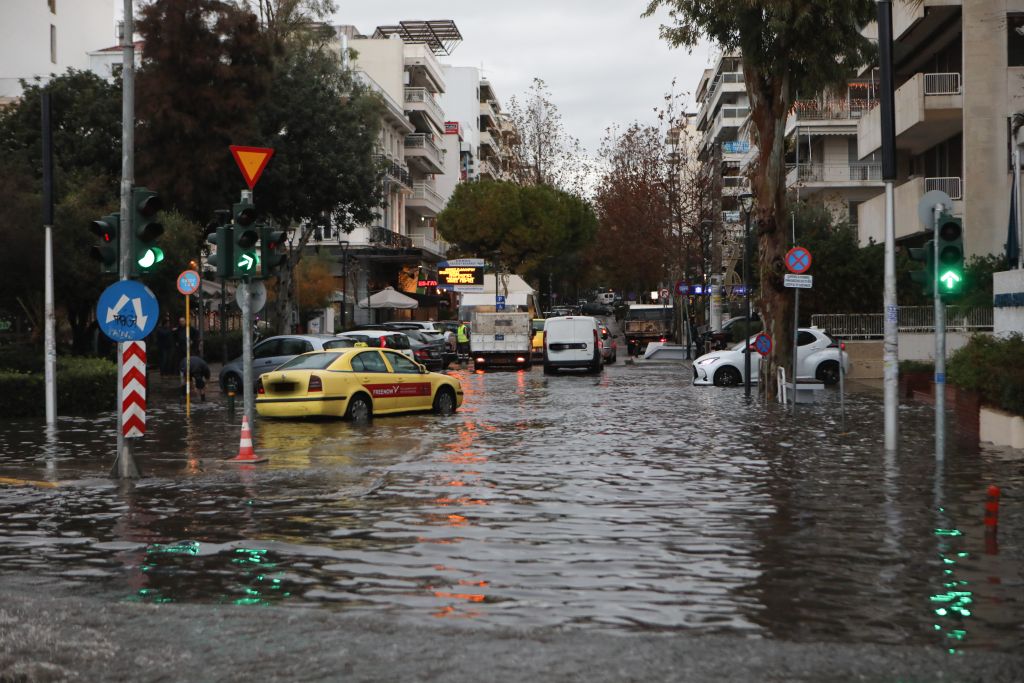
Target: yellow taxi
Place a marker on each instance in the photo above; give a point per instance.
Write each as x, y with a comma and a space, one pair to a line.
354, 383
537, 337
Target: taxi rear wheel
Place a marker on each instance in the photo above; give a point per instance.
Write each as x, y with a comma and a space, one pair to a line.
444, 401
359, 409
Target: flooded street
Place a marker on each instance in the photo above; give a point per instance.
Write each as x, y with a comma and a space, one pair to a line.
626, 501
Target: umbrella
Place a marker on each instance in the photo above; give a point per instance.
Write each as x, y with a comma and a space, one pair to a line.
389, 298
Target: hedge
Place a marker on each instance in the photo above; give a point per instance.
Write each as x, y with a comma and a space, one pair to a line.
213, 346
994, 368
84, 386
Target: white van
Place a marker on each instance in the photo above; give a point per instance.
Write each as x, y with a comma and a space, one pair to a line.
605, 298
572, 341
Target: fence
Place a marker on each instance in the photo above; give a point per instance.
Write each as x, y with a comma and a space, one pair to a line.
942, 84
952, 186
911, 319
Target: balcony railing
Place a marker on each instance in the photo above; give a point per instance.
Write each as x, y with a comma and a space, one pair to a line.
426, 191
837, 173
394, 170
837, 110
382, 237
422, 141
731, 216
439, 247
423, 96
942, 84
952, 186
734, 181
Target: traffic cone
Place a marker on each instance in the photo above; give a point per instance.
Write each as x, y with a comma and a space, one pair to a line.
246, 454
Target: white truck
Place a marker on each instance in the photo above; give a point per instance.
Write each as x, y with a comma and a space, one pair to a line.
500, 340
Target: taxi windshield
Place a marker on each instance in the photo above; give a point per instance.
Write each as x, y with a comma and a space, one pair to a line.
311, 361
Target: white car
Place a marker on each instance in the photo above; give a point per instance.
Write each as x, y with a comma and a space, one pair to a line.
572, 341
385, 339
818, 357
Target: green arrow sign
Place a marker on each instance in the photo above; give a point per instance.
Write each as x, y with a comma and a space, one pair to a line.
949, 279
246, 262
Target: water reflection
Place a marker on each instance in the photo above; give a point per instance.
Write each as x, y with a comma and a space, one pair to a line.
629, 500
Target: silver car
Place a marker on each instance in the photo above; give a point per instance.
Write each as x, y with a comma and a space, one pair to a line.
272, 352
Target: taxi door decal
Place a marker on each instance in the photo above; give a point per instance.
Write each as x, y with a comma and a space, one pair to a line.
398, 390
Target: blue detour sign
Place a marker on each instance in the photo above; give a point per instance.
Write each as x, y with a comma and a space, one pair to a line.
127, 311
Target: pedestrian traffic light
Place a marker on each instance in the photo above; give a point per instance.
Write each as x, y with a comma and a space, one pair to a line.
272, 249
107, 249
145, 231
950, 234
245, 257
925, 277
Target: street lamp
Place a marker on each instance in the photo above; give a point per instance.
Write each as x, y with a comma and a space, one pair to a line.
746, 203
344, 281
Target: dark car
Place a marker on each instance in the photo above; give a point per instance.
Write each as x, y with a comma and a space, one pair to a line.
429, 349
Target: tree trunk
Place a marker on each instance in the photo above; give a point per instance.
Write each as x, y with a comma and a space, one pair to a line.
770, 101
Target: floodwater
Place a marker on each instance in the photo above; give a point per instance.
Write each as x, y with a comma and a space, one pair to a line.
625, 501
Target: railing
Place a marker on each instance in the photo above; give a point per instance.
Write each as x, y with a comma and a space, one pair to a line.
425, 142
382, 237
952, 186
731, 217
942, 84
837, 173
393, 169
911, 319
734, 181
439, 247
426, 191
837, 110
423, 96
726, 77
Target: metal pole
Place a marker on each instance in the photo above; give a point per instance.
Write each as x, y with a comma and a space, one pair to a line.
188, 359
796, 338
890, 347
716, 244
1020, 212
50, 334
842, 389
247, 380
124, 465
940, 347
746, 298
223, 321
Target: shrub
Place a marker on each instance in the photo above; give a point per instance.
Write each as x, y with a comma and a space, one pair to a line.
84, 386
908, 366
22, 357
213, 344
994, 368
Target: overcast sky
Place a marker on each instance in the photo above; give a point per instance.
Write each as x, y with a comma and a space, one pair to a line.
603, 63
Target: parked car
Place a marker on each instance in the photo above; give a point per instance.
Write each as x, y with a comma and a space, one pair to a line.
355, 383
609, 347
818, 357
428, 349
730, 329
537, 338
274, 351
572, 342
383, 338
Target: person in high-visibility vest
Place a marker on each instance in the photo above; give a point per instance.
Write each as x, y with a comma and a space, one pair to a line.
462, 339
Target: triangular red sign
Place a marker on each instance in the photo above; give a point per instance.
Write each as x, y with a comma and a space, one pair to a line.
251, 161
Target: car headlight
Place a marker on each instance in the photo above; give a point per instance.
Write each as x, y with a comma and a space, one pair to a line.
705, 361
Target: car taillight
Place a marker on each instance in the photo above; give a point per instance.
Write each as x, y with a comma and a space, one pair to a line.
663, 339
842, 346
421, 353
315, 384
479, 361
520, 359
259, 387
384, 342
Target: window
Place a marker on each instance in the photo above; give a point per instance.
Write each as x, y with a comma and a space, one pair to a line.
1015, 39
339, 344
369, 361
805, 338
52, 4
268, 349
293, 347
403, 365
53, 43
852, 217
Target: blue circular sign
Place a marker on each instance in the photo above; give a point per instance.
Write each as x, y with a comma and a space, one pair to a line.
798, 260
188, 282
127, 311
763, 344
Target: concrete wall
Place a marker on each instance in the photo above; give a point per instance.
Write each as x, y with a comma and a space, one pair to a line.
81, 26
1008, 318
865, 356
461, 102
383, 61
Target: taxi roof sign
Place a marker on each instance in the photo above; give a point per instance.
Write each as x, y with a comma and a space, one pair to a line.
251, 161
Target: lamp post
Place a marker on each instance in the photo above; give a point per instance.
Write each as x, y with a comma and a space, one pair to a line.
747, 203
344, 281
707, 227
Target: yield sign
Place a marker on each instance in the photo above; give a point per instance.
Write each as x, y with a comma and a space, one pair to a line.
251, 161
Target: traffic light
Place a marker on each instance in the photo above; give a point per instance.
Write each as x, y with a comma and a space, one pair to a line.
222, 259
145, 231
950, 234
245, 257
926, 277
107, 250
272, 249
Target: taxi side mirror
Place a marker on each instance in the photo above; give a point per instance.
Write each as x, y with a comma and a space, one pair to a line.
423, 369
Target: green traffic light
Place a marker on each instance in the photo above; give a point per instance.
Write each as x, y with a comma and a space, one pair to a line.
151, 257
248, 261
950, 279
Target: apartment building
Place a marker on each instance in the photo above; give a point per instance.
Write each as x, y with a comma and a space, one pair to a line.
959, 76
43, 37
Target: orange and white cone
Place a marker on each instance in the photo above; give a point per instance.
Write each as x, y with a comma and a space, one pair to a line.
246, 454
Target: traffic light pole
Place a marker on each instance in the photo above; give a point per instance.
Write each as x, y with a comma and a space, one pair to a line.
940, 348
124, 464
245, 303
887, 119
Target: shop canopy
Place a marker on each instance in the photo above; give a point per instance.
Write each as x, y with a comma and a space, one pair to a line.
389, 298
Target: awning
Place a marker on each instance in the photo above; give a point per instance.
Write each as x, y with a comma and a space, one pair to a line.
389, 298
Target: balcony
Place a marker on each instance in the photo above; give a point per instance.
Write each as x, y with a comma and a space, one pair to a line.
853, 174
489, 169
951, 185
421, 106
424, 200
488, 144
828, 116
389, 239
906, 197
438, 247
393, 170
488, 117
420, 149
929, 109
734, 185
730, 82
727, 117
423, 67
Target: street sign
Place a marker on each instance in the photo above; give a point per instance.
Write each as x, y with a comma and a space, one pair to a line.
251, 161
926, 207
188, 282
682, 287
798, 260
798, 281
763, 344
127, 311
133, 389
664, 294
696, 290
257, 296
499, 304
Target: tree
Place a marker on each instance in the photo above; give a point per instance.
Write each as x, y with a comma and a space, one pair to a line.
205, 72
787, 46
